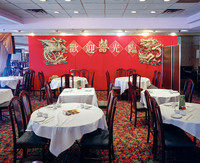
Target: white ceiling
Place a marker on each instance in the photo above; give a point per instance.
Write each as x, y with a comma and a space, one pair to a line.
16, 12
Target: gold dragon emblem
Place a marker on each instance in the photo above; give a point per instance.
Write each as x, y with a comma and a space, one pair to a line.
150, 51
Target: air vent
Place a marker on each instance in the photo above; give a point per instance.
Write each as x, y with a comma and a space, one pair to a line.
173, 11
188, 1
37, 11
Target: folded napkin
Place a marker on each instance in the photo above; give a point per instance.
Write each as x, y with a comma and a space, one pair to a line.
70, 112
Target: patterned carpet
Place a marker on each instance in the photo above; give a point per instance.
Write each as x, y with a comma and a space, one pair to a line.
129, 141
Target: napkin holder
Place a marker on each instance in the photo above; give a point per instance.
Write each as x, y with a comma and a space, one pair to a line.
181, 101
78, 84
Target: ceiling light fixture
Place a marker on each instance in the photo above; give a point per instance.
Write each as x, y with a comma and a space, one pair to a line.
183, 30
142, 0
32, 34
63, 34
167, 0
68, 0
133, 12
173, 34
43, 0
56, 12
153, 12
145, 34
76, 12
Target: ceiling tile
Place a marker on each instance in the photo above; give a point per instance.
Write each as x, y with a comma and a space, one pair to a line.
114, 12
20, 1
137, 6
72, 6
182, 5
116, 1
146, 2
50, 6
65, 2
116, 6
21, 13
158, 6
93, 1
8, 6
47, 2
28, 6
95, 11
94, 6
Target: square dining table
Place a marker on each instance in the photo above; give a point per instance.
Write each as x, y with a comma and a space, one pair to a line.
10, 81
84, 95
5, 95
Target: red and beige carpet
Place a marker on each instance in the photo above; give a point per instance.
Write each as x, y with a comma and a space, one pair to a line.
129, 142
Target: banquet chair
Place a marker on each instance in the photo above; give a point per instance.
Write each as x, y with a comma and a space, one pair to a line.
158, 80
169, 138
153, 84
136, 78
130, 71
74, 72
26, 82
23, 139
100, 139
32, 81
120, 72
17, 72
41, 83
26, 106
48, 93
114, 88
84, 73
92, 82
188, 90
4, 106
135, 105
66, 82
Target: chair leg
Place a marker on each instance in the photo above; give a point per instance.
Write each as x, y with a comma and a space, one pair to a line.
15, 155
43, 154
135, 118
1, 115
148, 133
40, 95
131, 112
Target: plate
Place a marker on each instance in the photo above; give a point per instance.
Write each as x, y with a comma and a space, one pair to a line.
176, 116
39, 119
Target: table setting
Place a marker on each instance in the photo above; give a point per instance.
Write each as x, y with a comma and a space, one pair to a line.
10, 81
63, 129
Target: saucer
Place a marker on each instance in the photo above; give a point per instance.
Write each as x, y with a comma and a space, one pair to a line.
39, 119
176, 116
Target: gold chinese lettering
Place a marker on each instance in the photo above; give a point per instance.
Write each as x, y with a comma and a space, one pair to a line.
103, 46
73, 48
90, 48
132, 48
115, 48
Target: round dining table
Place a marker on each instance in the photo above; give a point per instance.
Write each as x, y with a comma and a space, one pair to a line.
10, 81
161, 96
122, 82
188, 119
56, 82
63, 130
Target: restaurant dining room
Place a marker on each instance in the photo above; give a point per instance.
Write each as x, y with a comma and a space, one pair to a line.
99, 81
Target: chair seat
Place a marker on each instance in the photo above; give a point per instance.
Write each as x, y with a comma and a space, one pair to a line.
98, 137
140, 106
4, 105
42, 89
178, 139
30, 139
102, 104
116, 88
152, 87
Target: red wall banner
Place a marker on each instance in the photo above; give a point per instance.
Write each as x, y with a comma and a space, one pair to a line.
117, 56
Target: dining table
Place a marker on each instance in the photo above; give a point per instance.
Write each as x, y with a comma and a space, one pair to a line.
66, 123
83, 95
187, 119
122, 82
56, 82
10, 81
5, 95
161, 96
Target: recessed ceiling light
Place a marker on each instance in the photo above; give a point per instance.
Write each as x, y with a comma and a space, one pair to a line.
76, 12
43, 0
142, 0
68, 0
167, 0
153, 12
183, 30
56, 12
145, 34
133, 12
32, 34
172, 34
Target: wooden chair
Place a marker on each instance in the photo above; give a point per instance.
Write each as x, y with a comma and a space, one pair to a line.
48, 93
136, 78
158, 80
26, 82
4, 106
100, 139
65, 81
188, 90
136, 106
120, 72
92, 82
169, 138
32, 80
26, 104
41, 83
84, 73
74, 72
23, 139
130, 71
153, 84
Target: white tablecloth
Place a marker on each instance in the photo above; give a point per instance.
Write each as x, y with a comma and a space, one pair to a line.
161, 96
189, 123
123, 83
63, 130
84, 95
56, 82
10, 81
5, 95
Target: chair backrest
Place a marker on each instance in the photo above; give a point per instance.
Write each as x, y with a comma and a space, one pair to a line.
84, 73
130, 71
16, 118
150, 109
133, 95
154, 77
48, 93
158, 121
65, 81
92, 82
41, 79
188, 90
120, 72
136, 78
74, 72
158, 80
109, 106
26, 103
26, 81
17, 72
108, 82
17, 89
